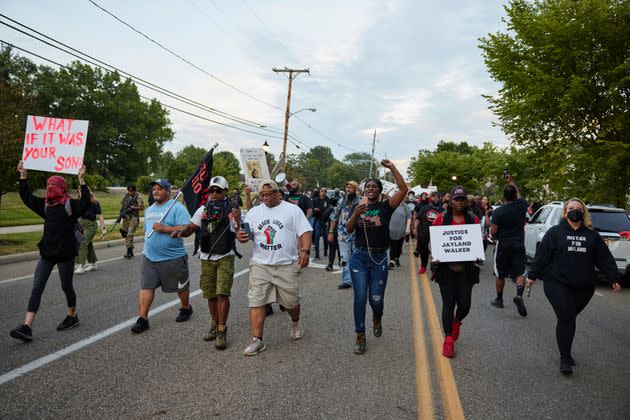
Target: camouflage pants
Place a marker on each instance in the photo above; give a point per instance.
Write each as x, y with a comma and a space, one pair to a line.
130, 224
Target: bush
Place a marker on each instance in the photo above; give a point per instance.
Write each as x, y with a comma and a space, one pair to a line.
143, 182
97, 182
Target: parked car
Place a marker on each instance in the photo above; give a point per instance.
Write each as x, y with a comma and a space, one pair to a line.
612, 223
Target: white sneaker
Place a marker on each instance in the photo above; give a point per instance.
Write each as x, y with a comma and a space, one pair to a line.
88, 267
94, 266
79, 270
296, 330
255, 347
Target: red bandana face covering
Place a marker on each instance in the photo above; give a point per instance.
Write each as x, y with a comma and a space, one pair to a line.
56, 193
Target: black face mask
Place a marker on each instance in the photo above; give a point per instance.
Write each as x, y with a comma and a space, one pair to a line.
575, 215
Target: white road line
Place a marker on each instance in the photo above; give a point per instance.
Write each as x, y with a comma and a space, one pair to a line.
599, 294
55, 270
43, 361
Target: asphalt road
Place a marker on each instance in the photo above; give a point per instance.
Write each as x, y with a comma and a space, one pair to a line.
506, 365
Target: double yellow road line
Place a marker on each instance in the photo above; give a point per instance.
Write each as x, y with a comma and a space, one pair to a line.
450, 402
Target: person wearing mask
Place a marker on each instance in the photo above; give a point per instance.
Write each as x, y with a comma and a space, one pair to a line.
338, 220
164, 261
456, 279
235, 198
132, 205
320, 204
425, 219
58, 245
508, 227
399, 226
446, 201
217, 220
566, 259
282, 244
305, 204
368, 265
335, 197
89, 226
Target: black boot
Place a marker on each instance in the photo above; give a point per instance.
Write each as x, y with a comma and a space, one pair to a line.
129, 253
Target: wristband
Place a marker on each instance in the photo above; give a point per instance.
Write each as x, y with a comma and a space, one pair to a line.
308, 251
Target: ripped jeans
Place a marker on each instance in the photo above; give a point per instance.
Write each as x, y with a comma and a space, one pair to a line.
368, 277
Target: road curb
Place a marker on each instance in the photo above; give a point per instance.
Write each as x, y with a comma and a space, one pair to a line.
33, 255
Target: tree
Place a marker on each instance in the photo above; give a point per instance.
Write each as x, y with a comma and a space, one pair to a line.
184, 164
227, 165
565, 75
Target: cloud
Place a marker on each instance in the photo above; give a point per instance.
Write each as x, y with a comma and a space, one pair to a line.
407, 108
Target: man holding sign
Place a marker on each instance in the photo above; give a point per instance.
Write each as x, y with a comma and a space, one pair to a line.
457, 277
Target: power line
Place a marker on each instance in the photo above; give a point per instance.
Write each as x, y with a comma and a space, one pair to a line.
182, 58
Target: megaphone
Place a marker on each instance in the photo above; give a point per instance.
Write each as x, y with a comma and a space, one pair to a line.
281, 180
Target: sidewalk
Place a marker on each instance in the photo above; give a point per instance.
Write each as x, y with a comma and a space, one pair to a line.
38, 228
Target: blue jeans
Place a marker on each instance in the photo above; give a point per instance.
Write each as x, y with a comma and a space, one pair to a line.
319, 231
368, 277
346, 249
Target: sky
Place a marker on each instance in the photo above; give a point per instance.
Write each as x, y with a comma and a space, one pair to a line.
409, 69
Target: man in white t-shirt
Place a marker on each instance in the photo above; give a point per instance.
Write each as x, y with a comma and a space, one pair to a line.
218, 221
282, 243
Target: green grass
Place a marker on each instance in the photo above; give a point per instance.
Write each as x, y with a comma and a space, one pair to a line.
14, 213
14, 243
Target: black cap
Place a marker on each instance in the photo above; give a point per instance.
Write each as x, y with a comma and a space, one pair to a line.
131, 188
458, 191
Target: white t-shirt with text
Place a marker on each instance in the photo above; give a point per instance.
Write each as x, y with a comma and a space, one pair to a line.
276, 231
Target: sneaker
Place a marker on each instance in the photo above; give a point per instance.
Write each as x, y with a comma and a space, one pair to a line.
448, 349
565, 366
520, 305
416, 254
329, 267
23, 332
221, 343
344, 286
212, 334
89, 267
255, 347
184, 314
296, 330
68, 323
360, 345
268, 309
94, 266
391, 264
497, 303
80, 269
422, 269
397, 261
457, 325
377, 328
140, 326
282, 308
316, 257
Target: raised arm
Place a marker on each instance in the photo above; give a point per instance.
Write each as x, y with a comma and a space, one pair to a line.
400, 195
37, 204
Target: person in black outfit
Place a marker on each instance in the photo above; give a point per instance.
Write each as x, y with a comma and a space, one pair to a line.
426, 217
368, 264
566, 259
508, 227
295, 197
58, 245
456, 279
321, 203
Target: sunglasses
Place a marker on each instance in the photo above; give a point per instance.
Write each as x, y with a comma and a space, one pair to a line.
267, 194
215, 191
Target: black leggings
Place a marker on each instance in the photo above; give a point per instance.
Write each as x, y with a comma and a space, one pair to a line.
395, 248
333, 249
40, 278
422, 247
456, 291
567, 303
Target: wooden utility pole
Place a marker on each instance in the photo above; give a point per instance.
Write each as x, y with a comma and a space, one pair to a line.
372, 158
293, 73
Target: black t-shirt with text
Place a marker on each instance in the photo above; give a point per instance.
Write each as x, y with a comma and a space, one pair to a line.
301, 201
510, 218
374, 224
320, 205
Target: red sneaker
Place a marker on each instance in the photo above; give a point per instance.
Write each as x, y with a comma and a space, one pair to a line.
448, 349
456, 326
422, 270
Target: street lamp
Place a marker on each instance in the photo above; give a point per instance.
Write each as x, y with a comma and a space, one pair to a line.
454, 178
303, 109
265, 146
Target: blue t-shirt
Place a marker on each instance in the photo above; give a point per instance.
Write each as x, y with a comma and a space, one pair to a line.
160, 246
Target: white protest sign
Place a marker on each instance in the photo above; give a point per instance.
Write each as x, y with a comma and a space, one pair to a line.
54, 144
456, 243
254, 165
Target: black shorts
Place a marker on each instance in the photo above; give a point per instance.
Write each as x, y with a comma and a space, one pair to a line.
509, 259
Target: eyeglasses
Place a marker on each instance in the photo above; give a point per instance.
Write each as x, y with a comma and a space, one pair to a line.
215, 191
267, 194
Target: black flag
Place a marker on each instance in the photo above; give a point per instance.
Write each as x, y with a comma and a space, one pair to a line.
196, 189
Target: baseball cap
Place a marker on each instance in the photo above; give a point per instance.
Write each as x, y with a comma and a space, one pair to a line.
355, 184
162, 183
458, 191
219, 181
272, 184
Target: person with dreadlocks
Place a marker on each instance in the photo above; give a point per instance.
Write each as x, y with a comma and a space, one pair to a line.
368, 264
58, 246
